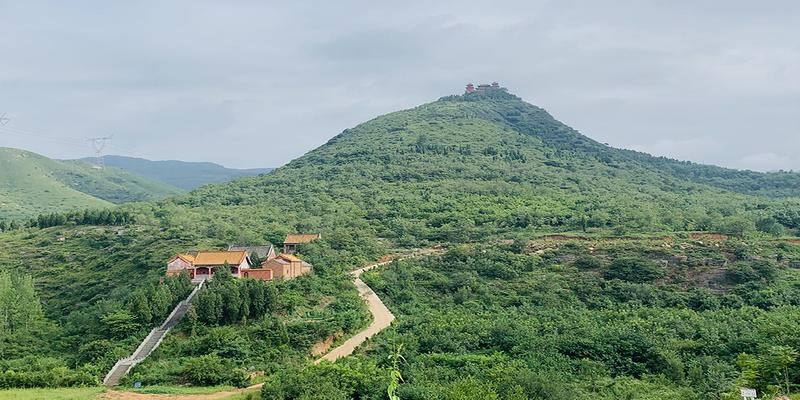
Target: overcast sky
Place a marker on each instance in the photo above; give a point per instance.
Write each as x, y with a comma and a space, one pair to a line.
257, 83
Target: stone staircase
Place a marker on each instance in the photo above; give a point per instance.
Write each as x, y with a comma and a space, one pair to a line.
151, 342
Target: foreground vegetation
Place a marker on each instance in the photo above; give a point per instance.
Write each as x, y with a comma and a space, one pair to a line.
570, 320
87, 393
241, 329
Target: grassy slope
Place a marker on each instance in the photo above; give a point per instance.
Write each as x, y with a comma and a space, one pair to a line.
32, 184
52, 394
113, 184
27, 188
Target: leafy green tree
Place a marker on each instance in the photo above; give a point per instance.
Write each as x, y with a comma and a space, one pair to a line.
737, 225
120, 323
209, 307
20, 307
634, 270
160, 301
205, 370
770, 226
140, 307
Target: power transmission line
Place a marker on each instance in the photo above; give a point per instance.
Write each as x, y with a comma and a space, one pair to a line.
18, 132
99, 144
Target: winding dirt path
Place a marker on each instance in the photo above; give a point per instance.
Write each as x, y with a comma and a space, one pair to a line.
381, 317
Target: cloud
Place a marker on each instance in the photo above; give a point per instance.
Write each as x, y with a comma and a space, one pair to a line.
691, 149
767, 162
703, 81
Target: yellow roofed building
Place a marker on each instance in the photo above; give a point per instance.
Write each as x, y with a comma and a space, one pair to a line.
204, 264
294, 239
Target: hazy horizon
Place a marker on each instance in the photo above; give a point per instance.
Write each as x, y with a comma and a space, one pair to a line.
250, 85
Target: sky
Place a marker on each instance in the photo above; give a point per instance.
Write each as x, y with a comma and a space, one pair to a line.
257, 83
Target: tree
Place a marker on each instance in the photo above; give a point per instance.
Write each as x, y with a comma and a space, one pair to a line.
634, 270
140, 307
120, 323
20, 307
160, 300
737, 225
205, 370
255, 258
770, 226
396, 376
777, 362
209, 307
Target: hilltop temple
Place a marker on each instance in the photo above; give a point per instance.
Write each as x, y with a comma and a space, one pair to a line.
484, 87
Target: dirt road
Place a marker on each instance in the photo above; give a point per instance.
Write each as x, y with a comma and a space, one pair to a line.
381, 318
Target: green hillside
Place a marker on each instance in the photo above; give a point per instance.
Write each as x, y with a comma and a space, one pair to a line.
468, 167
32, 184
180, 174
467, 172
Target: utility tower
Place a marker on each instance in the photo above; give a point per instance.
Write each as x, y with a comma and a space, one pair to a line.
3, 119
99, 144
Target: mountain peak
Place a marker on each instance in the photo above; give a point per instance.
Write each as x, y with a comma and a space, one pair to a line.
483, 91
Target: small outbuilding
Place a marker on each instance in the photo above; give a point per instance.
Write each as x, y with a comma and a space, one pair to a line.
286, 266
293, 240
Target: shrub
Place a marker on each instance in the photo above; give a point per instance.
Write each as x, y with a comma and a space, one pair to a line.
588, 263
743, 272
205, 370
634, 270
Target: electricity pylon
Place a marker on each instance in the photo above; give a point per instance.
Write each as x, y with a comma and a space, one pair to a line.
99, 144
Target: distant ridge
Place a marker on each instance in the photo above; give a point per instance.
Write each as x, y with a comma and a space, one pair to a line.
181, 174
32, 184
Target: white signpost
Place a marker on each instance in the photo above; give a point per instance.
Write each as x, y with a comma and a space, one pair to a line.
748, 394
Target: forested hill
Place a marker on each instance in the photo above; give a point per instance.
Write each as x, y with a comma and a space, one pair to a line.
182, 174
467, 166
465, 172
31, 184
462, 169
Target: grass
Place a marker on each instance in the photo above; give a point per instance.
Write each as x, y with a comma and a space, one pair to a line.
88, 393
166, 389
32, 184
253, 394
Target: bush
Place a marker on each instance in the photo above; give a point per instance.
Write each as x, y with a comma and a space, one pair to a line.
635, 270
210, 370
588, 263
743, 272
